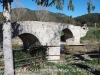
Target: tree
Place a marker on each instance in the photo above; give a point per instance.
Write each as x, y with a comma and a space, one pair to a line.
90, 6
42, 13
7, 46
70, 5
17, 13
59, 4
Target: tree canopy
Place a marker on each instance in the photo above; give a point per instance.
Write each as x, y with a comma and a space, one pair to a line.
59, 4
90, 19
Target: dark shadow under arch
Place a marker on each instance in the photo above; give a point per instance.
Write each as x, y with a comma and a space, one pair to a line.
33, 50
66, 34
29, 40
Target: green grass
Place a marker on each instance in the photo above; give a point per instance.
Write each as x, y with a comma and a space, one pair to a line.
1, 63
17, 47
69, 69
1, 72
92, 34
62, 33
86, 68
93, 28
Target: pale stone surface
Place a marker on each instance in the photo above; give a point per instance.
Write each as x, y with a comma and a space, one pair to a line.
47, 33
54, 53
17, 41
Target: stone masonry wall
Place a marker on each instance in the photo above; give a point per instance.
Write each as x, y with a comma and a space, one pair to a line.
48, 33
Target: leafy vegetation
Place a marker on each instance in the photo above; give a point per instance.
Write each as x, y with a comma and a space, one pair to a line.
1, 72
62, 33
92, 34
91, 67
1, 64
83, 68
30, 15
34, 55
90, 19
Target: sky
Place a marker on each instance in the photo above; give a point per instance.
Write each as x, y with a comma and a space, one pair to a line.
80, 7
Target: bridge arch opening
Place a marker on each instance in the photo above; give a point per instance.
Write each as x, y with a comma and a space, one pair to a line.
32, 48
29, 40
65, 35
65, 39
26, 40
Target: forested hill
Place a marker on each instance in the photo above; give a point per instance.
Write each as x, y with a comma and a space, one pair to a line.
90, 19
25, 14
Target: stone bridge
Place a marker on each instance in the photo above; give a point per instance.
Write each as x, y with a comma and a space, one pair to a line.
49, 34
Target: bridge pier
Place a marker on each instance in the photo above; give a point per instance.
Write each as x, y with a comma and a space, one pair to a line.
53, 54
76, 40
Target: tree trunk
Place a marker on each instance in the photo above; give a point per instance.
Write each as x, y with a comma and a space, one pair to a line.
7, 46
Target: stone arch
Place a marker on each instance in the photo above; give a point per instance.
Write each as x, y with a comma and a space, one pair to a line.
67, 35
29, 40
25, 34
33, 46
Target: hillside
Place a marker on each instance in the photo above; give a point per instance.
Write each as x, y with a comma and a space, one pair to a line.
90, 19
24, 14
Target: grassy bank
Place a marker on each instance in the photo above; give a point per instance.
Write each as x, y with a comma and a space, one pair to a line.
92, 34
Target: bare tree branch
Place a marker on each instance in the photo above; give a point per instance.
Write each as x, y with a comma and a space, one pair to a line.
19, 12
42, 13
